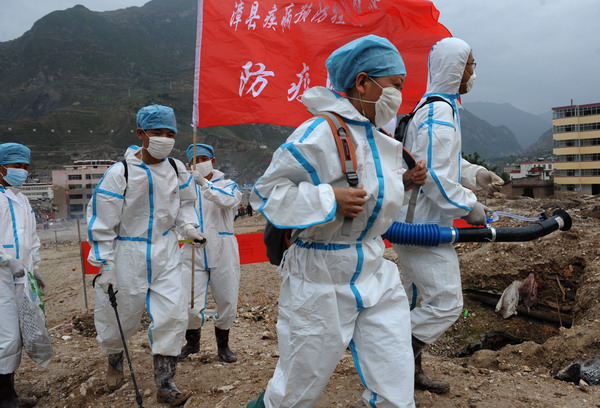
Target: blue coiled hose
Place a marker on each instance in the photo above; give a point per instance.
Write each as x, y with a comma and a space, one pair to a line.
420, 234
434, 235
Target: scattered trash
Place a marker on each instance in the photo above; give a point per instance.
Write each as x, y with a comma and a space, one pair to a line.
507, 305
529, 291
588, 371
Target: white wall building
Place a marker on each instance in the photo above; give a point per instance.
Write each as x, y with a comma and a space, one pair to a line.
541, 169
37, 191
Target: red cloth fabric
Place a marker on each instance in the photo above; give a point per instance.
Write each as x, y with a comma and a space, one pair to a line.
253, 64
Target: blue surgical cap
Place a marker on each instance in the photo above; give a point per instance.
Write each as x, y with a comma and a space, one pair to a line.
371, 54
156, 117
14, 153
201, 150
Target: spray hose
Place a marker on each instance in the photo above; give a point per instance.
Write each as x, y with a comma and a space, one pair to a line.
433, 235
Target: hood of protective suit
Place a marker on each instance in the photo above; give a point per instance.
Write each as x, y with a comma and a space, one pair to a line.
447, 62
320, 98
130, 154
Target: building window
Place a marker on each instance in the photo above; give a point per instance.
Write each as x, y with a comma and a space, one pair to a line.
586, 127
76, 196
74, 176
590, 172
88, 176
75, 186
576, 111
590, 142
567, 173
76, 207
97, 176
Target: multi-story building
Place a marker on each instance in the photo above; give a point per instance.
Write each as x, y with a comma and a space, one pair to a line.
73, 186
576, 134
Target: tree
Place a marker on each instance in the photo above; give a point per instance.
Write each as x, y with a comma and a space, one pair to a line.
475, 158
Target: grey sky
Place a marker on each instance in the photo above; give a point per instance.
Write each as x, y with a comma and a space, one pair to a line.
533, 54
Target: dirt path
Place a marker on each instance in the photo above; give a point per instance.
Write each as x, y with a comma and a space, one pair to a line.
515, 376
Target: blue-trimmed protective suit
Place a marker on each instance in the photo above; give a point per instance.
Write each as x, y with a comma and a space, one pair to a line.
218, 263
135, 228
432, 274
337, 291
18, 239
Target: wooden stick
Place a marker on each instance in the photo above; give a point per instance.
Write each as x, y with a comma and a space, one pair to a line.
82, 268
193, 272
558, 311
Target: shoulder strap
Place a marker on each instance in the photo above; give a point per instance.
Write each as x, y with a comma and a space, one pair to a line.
341, 135
125, 174
174, 165
344, 145
435, 98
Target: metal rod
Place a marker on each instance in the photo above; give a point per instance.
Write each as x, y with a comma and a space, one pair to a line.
112, 296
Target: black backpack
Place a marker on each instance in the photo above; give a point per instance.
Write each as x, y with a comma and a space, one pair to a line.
402, 126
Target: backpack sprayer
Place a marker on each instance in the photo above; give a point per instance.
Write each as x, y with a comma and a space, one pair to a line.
434, 235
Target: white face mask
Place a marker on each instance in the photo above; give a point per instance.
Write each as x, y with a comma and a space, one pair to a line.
204, 168
470, 83
159, 147
386, 107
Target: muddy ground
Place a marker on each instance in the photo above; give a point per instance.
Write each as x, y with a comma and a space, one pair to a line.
566, 263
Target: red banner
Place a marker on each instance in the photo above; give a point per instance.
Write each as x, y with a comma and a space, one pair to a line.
255, 58
88, 268
251, 248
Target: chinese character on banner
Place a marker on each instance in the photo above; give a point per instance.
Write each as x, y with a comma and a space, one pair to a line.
296, 90
259, 79
253, 16
236, 16
255, 58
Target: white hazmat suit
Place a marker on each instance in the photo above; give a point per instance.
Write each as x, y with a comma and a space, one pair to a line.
218, 263
337, 291
434, 135
18, 239
133, 225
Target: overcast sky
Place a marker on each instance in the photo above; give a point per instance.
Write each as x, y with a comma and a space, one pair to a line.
533, 54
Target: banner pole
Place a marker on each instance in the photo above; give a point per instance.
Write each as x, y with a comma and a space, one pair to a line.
194, 140
82, 268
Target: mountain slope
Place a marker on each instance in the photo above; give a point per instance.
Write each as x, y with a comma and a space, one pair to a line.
489, 141
542, 147
526, 126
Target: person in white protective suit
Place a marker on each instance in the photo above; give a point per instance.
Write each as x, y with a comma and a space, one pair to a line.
338, 291
434, 134
132, 218
217, 264
19, 255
